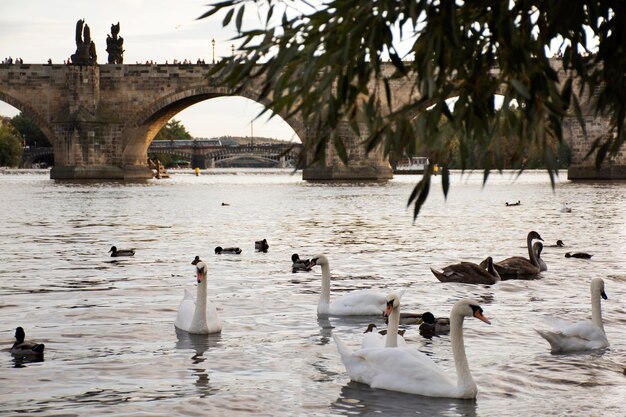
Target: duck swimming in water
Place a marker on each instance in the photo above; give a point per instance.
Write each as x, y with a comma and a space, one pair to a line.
372, 326
22, 348
261, 245
298, 264
579, 255
432, 326
121, 252
220, 250
513, 204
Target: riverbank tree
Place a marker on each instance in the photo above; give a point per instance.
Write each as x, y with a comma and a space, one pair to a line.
173, 130
325, 62
30, 132
10, 145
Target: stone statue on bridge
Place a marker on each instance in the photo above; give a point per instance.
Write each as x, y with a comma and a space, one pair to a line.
114, 45
85, 48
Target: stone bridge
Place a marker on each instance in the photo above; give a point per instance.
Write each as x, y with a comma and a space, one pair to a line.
205, 154
101, 120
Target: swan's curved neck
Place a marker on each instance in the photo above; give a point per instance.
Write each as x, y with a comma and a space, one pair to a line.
493, 271
531, 253
324, 304
199, 315
596, 309
392, 328
464, 377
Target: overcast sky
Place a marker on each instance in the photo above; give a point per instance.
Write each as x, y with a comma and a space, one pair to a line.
156, 30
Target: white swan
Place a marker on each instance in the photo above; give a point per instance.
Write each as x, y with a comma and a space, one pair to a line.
584, 335
408, 370
199, 316
357, 303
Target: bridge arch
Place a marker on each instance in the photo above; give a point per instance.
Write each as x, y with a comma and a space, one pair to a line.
31, 113
149, 120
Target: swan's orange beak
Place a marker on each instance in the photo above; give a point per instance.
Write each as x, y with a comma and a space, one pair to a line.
479, 315
388, 309
199, 276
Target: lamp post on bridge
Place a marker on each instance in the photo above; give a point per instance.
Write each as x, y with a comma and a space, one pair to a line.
252, 132
213, 44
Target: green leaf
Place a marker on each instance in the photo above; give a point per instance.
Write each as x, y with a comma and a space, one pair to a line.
520, 88
239, 19
227, 18
602, 151
341, 149
445, 181
420, 193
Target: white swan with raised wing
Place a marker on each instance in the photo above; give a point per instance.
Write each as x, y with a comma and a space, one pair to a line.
583, 335
406, 369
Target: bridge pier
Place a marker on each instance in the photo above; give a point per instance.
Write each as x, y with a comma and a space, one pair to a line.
362, 166
198, 161
581, 168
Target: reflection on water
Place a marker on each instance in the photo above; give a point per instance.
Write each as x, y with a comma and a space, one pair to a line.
22, 361
111, 346
361, 400
199, 344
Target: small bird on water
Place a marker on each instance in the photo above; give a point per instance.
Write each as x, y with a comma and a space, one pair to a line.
580, 255
219, 250
372, 326
121, 252
22, 348
261, 245
298, 264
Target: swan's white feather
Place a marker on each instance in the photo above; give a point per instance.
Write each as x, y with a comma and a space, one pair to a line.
579, 336
356, 303
582, 335
406, 369
198, 322
186, 310
360, 303
413, 372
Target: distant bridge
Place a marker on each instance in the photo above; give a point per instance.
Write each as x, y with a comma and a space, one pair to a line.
206, 154
34, 154
202, 153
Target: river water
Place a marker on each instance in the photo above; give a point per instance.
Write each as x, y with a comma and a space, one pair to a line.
108, 324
